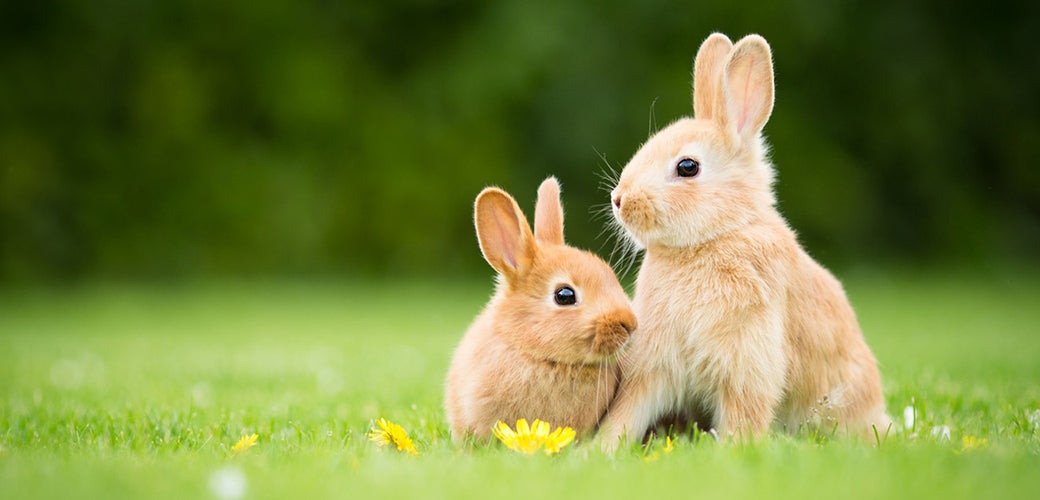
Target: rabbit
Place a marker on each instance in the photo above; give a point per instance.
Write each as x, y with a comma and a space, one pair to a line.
740, 328
545, 345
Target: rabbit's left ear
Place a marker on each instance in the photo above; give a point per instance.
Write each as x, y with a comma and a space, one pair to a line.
548, 213
710, 59
746, 92
503, 234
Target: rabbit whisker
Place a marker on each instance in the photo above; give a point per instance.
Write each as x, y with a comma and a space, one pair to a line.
652, 125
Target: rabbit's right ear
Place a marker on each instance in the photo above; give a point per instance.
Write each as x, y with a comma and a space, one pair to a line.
503, 233
744, 99
711, 57
548, 213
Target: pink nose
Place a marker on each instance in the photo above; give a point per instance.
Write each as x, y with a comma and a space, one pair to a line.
617, 201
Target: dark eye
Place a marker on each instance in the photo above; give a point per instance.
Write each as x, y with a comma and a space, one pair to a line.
687, 167
565, 296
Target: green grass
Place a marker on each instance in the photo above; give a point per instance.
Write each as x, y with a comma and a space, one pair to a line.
134, 391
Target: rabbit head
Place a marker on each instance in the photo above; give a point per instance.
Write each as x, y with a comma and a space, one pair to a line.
704, 176
554, 302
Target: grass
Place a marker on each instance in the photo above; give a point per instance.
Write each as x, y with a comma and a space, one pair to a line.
135, 391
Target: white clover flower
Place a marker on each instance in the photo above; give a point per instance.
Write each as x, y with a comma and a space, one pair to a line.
908, 417
941, 432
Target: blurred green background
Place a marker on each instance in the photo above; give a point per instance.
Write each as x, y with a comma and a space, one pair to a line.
308, 169
171, 140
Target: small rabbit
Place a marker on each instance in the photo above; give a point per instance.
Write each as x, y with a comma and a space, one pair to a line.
740, 327
544, 347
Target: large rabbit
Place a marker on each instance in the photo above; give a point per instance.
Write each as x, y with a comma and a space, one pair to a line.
739, 326
544, 347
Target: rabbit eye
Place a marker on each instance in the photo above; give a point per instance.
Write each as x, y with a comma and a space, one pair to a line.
687, 167
565, 296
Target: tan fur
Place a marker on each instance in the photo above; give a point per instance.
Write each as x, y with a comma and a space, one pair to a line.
737, 322
525, 356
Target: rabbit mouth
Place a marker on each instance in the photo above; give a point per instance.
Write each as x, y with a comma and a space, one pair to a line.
590, 362
599, 360
598, 364
595, 356
605, 357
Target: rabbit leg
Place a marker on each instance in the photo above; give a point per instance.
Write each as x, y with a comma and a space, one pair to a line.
639, 403
743, 415
749, 376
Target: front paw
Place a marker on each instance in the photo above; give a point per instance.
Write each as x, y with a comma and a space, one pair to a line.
607, 442
607, 445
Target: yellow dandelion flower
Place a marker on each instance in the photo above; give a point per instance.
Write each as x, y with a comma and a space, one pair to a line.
970, 443
669, 445
530, 438
559, 439
386, 433
522, 439
244, 444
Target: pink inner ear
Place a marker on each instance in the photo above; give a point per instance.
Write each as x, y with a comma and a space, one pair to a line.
504, 243
745, 108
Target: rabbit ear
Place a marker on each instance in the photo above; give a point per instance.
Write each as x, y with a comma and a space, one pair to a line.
745, 97
503, 233
710, 59
548, 213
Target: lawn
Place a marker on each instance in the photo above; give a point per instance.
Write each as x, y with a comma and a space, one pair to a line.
141, 391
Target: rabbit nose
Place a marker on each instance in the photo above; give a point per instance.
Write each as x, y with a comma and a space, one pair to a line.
628, 322
613, 330
617, 201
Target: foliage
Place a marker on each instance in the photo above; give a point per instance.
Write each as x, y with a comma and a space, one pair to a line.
164, 139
